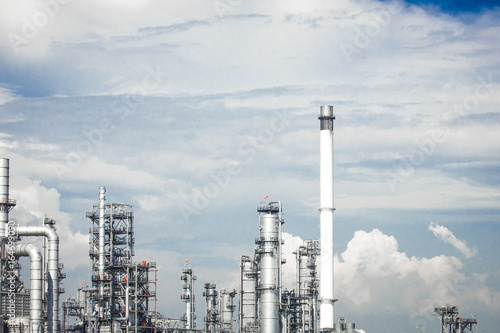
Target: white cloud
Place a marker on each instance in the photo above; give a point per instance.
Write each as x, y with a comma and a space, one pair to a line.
422, 188
290, 267
373, 276
6, 96
34, 202
258, 57
447, 236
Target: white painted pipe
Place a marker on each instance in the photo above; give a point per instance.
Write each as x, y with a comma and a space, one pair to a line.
53, 270
102, 203
127, 290
326, 217
31, 251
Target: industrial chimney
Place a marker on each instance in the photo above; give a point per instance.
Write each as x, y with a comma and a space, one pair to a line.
326, 217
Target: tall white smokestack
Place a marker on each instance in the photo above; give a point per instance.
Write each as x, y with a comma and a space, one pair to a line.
326, 217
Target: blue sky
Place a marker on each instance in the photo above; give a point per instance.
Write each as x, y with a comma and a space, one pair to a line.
458, 6
193, 112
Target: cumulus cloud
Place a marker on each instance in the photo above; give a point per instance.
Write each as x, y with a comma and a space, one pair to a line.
447, 236
401, 77
372, 275
291, 243
34, 203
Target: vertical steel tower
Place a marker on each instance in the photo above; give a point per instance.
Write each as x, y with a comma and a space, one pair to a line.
307, 283
226, 310
188, 298
451, 322
248, 295
326, 217
121, 289
211, 313
269, 259
10, 281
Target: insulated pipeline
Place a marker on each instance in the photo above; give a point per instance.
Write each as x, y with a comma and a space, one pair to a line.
53, 270
31, 251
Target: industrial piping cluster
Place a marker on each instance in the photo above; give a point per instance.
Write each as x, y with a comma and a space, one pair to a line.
45, 272
121, 295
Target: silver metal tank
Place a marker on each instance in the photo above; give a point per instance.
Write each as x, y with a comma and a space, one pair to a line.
19, 325
268, 286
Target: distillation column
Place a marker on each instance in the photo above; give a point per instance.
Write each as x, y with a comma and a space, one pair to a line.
102, 239
188, 298
307, 283
8, 270
211, 314
248, 295
326, 217
227, 307
6, 204
113, 271
269, 268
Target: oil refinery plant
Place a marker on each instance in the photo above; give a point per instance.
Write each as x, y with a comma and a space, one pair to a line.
120, 295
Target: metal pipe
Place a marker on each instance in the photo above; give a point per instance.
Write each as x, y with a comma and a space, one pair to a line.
102, 202
31, 251
126, 304
326, 217
53, 270
280, 271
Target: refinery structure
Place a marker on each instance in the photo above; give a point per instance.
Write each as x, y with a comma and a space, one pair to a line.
120, 295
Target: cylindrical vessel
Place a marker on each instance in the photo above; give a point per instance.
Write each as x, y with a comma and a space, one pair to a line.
102, 203
226, 306
188, 297
326, 216
4, 196
18, 325
268, 267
